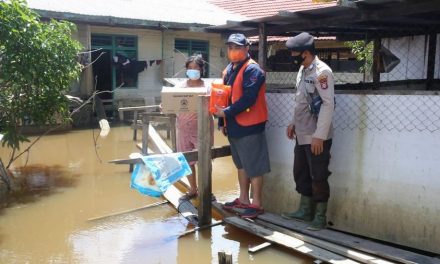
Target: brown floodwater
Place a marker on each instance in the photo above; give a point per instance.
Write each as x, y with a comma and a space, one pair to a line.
68, 181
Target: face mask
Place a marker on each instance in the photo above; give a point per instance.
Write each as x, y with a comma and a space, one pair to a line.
298, 60
193, 74
236, 55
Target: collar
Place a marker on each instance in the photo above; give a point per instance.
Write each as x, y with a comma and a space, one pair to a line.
312, 65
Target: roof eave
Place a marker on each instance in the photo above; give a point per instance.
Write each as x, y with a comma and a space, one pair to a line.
119, 21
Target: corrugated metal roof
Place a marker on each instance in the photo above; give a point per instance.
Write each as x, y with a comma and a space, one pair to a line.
181, 11
254, 39
264, 8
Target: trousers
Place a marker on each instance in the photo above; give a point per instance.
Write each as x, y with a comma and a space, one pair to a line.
311, 171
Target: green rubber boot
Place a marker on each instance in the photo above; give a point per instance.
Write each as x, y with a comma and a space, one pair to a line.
304, 212
320, 220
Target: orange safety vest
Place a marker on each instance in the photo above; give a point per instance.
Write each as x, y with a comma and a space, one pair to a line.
255, 114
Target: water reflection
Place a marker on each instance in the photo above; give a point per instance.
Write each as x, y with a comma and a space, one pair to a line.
35, 181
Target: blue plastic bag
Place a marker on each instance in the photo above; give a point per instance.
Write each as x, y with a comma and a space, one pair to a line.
159, 172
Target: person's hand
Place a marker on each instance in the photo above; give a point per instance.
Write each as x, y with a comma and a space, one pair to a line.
290, 132
224, 130
220, 111
317, 146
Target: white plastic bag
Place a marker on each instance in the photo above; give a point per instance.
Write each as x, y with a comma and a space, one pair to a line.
159, 172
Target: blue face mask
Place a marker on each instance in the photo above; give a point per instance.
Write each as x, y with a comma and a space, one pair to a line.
193, 74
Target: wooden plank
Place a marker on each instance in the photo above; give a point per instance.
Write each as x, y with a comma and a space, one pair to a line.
288, 241
158, 142
128, 211
259, 247
214, 223
204, 161
346, 240
138, 108
343, 251
216, 152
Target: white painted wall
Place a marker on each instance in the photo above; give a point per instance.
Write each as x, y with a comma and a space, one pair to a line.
385, 182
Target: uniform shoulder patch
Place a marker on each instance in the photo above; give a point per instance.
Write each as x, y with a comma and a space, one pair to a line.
323, 81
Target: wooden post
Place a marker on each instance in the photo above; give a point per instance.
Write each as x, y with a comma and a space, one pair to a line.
204, 161
432, 44
262, 45
145, 126
135, 118
224, 258
376, 63
173, 132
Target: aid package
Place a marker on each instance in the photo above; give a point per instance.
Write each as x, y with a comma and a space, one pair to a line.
158, 172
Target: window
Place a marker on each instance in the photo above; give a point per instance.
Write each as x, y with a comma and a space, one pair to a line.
112, 68
194, 47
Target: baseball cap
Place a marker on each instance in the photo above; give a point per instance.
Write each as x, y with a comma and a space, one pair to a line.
238, 39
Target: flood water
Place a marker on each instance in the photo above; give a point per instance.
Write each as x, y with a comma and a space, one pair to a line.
68, 182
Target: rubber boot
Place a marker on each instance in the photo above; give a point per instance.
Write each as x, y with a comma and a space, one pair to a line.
320, 220
304, 212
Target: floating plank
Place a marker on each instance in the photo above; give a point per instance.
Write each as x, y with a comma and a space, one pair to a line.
343, 251
288, 241
214, 223
259, 247
349, 241
128, 211
217, 152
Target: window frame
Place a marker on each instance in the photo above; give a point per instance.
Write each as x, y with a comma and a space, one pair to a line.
114, 50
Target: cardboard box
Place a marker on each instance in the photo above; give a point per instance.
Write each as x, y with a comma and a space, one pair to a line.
181, 100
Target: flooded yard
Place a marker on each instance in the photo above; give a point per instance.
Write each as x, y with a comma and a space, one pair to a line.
68, 182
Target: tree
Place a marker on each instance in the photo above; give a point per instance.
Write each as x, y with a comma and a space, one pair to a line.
363, 52
38, 64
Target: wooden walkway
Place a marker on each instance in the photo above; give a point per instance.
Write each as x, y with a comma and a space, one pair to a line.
326, 245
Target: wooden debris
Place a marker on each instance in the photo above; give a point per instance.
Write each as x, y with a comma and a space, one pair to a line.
343, 251
216, 152
215, 223
353, 242
259, 247
128, 211
288, 241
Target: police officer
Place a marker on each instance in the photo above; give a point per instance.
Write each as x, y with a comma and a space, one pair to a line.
312, 128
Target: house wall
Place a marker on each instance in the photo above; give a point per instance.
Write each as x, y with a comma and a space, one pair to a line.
151, 45
85, 84
217, 51
385, 153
